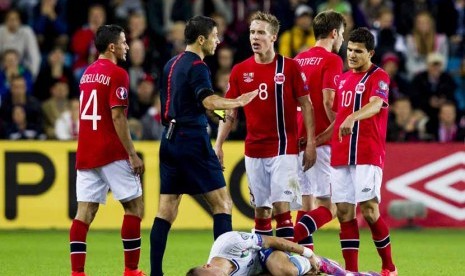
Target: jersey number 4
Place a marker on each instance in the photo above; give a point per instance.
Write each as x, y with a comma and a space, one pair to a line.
86, 114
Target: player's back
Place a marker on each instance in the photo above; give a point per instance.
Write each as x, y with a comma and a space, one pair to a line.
102, 87
322, 69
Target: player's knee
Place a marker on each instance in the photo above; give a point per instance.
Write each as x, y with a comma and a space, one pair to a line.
167, 213
370, 213
223, 206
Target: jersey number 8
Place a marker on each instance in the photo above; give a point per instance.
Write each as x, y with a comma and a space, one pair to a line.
94, 117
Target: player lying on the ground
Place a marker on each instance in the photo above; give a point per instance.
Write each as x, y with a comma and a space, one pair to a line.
239, 253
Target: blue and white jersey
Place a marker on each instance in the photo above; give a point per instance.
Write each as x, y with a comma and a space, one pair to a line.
242, 249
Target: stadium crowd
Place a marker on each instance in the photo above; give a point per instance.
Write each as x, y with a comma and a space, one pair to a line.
45, 45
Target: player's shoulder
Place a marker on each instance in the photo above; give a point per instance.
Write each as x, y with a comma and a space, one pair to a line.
379, 73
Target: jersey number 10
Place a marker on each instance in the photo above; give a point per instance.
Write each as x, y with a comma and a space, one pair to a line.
94, 117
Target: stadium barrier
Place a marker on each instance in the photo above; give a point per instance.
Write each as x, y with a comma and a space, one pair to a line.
37, 186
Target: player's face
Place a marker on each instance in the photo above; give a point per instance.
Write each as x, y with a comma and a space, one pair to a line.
261, 38
209, 46
358, 57
338, 41
121, 48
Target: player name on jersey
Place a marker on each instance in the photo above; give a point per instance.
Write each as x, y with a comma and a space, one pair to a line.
99, 78
309, 61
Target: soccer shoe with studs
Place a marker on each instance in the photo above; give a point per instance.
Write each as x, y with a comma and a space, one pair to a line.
386, 272
136, 272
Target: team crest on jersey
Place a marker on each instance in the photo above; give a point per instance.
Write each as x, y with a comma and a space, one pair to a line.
248, 77
341, 83
360, 88
279, 78
122, 93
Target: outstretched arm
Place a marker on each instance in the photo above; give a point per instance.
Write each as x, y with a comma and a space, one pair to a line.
213, 102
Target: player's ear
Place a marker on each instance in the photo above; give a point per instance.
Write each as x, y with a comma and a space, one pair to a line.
201, 40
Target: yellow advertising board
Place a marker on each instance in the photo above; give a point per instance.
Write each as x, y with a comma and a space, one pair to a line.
37, 188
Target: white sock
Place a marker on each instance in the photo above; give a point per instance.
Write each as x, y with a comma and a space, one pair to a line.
303, 264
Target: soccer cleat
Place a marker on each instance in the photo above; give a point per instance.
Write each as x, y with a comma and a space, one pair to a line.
75, 273
386, 272
136, 272
331, 267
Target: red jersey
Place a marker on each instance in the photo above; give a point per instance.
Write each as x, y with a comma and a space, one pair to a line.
103, 86
367, 143
270, 117
322, 69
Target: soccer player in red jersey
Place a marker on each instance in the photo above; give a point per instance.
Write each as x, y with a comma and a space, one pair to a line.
106, 158
358, 150
322, 67
271, 144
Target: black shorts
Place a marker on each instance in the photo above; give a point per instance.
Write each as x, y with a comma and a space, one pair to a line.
188, 164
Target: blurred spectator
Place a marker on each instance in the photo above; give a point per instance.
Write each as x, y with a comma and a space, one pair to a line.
405, 124
5, 6
55, 69
152, 128
124, 8
433, 87
137, 28
447, 129
81, 8
82, 43
399, 86
422, 41
135, 129
20, 128
340, 6
175, 38
222, 60
371, 10
50, 26
143, 99
55, 106
11, 67
405, 12
67, 125
15, 35
137, 64
300, 37
18, 96
387, 39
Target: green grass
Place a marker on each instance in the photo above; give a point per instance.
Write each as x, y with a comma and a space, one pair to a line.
25, 252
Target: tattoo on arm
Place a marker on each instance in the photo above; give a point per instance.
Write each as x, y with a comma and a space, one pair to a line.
230, 118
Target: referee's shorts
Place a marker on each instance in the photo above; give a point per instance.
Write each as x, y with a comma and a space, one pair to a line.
188, 163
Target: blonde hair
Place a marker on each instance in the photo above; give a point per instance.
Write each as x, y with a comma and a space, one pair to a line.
425, 42
269, 18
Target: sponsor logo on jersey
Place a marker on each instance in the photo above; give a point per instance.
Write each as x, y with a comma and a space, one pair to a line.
279, 78
248, 77
122, 93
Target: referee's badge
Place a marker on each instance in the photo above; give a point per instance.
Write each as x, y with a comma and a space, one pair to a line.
360, 88
279, 78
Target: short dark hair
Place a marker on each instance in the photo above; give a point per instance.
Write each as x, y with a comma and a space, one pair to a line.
197, 26
107, 34
363, 35
325, 22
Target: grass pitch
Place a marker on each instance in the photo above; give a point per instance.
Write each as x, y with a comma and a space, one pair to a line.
26, 252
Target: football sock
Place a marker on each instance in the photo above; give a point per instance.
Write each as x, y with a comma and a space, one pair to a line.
307, 241
381, 238
311, 221
350, 242
301, 263
284, 226
263, 226
221, 224
158, 237
130, 234
77, 241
